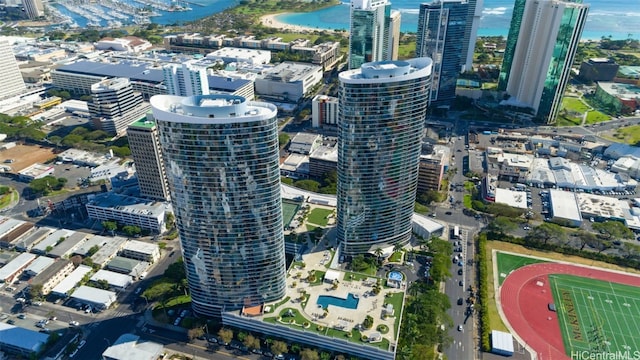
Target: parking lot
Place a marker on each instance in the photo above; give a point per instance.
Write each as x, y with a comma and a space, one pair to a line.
73, 173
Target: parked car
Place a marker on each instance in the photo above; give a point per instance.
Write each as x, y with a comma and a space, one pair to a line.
460, 301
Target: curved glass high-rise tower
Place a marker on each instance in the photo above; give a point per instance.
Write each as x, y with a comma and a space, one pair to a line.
221, 160
380, 124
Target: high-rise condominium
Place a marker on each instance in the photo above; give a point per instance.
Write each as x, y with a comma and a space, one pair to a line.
542, 43
144, 142
221, 159
367, 32
392, 19
474, 13
114, 105
33, 8
441, 36
12, 83
185, 80
381, 113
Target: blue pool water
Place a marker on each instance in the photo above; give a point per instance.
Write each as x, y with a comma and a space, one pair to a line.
395, 276
350, 302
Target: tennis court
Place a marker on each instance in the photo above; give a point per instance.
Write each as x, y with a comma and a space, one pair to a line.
289, 210
596, 316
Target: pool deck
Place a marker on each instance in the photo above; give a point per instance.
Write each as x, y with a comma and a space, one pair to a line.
339, 317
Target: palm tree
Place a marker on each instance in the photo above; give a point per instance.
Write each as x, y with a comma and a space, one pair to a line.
378, 253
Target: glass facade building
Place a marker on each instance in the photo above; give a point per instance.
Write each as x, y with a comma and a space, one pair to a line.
382, 109
221, 158
512, 40
540, 67
367, 31
441, 35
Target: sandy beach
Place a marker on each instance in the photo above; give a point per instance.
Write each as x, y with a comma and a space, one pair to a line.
271, 21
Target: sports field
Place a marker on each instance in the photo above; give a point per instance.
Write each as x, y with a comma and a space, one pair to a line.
596, 316
509, 262
289, 210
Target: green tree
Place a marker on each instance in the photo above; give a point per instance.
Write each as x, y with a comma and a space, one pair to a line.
226, 335
131, 230
502, 225
251, 342
613, 230
279, 347
35, 291
175, 272
195, 333
309, 354
546, 232
110, 226
92, 250
309, 185
283, 140
102, 284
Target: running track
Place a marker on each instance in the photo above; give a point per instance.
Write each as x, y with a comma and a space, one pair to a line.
524, 304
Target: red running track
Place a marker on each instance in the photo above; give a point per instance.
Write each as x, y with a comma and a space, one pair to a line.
525, 295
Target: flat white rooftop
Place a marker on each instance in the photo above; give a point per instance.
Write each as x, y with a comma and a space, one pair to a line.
564, 205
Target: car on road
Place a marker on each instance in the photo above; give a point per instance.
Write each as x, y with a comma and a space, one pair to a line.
459, 271
461, 283
11, 321
448, 213
37, 303
460, 301
74, 323
526, 227
460, 328
22, 316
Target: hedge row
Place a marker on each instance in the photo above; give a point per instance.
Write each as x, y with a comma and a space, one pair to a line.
483, 292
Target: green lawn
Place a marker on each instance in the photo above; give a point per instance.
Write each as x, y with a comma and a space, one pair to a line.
596, 116
574, 104
420, 209
396, 257
467, 201
508, 262
396, 300
563, 120
406, 51
596, 316
6, 199
628, 135
319, 216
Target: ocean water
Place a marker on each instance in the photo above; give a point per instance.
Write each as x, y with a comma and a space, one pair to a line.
618, 18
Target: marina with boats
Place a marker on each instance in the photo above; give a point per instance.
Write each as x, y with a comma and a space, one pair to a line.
111, 13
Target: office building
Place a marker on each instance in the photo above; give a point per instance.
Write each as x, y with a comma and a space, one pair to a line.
12, 83
367, 31
33, 8
381, 117
185, 80
144, 142
598, 69
115, 105
391, 44
441, 31
537, 64
221, 156
474, 13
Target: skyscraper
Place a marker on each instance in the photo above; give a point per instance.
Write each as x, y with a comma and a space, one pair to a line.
382, 109
474, 13
114, 105
441, 32
144, 142
33, 8
367, 31
185, 80
391, 44
536, 70
12, 83
221, 158
512, 40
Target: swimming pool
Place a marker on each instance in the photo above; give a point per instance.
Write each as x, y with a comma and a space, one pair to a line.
395, 276
351, 302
